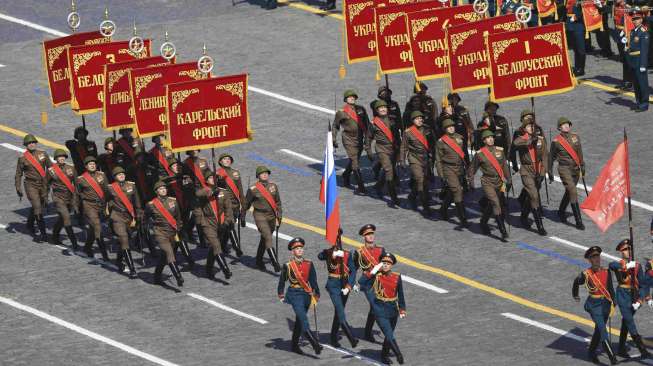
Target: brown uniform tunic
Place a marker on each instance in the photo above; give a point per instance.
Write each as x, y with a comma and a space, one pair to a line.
36, 187
64, 200
264, 216
568, 170
164, 233
419, 157
203, 165
353, 136
234, 197
385, 148
121, 220
532, 172
92, 203
491, 182
212, 226
450, 166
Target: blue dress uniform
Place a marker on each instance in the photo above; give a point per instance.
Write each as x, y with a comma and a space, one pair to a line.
576, 29
364, 259
301, 288
629, 292
388, 303
598, 304
339, 265
637, 58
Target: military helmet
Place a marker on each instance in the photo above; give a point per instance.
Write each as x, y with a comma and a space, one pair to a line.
384, 89
262, 169
562, 121
526, 112
592, 251
447, 123
225, 155
349, 93
172, 162
28, 139
296, 243
60, 152
117, 170
207, 174
108, 140
380, 103
159, 184
451, 96
416, 114
486, 133
367, 229
490, 103
89, 159
388, 258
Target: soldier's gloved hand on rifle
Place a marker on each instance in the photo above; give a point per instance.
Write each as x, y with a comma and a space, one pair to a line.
636, 306
338, 253
345, 291
631, 265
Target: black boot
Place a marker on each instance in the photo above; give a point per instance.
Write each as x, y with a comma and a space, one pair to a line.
485, 217
562, 215
538, 222
30, 222
360, 182
185, 250
376, 168
622, 350
385, 353
333, 335
43, 236
317, 347
273, 259
56, 230
210, 261
460, 212
223, 265
502, 227
378, 187
235, 242
608, 349
88, 247
259, 255
392, 190
350, 335
296, 332
395, 349
444, 209
346, 176
159, 269
103, 249
523, 218
579, 219
130, 263
177, 273
119, 261
369, 324
425, 203
640, 346
72, 237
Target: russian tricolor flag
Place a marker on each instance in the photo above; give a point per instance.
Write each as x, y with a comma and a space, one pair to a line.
329, 192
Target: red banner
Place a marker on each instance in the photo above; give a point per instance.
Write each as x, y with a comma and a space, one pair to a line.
148, 93
117, 112
87, 71
393, 46
207, 113
360, 37
546, 8
427, 34
529, 63
592, 18
55, 62
468, 55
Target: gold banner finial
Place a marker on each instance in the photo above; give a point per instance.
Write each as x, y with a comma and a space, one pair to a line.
73, 7
106, 13
134, 28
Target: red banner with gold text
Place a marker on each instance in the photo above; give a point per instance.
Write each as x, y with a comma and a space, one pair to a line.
207, 113
592, 18
359, 30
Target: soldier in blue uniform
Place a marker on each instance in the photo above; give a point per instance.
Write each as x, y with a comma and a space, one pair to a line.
599, 301
339, 283
576, 29
386, 290
302, 290
629, 297
637, 58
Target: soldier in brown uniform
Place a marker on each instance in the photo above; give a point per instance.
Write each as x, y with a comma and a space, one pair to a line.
422, 102
394, 112
159, 157
163, 211
217, 217
125, 212
450, 165
264, 197
417, 147
141, 172
181, 187
566, 149
126, 145
80, 147
33, 164
495, 123
228, 178
61, 179
92, 188
385, 132
496, 181
533, 158
354, 122
196, 167
109, 159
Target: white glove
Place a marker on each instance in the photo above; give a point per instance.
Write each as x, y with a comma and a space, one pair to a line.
338, 253
402, 315
345, 291
357, 287
636, 305
622, 34
650, 303
281, 299
631, 265
624, 40
642, 69
376, 268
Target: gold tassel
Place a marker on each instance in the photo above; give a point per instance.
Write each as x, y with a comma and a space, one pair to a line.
342, 71
44, 118
313, 302
417, 87
445, 101
377, 77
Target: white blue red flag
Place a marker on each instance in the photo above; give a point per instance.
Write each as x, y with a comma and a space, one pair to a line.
329, 192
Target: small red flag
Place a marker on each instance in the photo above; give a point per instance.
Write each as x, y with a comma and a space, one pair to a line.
605, 204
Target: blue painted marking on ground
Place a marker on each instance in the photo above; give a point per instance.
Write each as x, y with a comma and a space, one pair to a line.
41, 91
272, 163
552, 254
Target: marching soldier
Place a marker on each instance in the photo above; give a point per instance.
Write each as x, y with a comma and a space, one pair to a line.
386, 289
265, 199
33, 164
364, 259
566, 149
125, 213
619, 36
637, 57
394, 112
159, 158
599, 301
196, 167
339, 264
354, 122
495, 123
496, 182
80, 148
385, 132
576, 27
417, 148
126, 145
450, 165
217, 216
143, 174
61, 179
110, 158
92, 188
533, 157
182, 188
462, 121
228, 178
420, 101
629, 297
166, 223
302, 292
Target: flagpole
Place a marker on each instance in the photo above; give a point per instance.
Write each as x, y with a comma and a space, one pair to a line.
630, 207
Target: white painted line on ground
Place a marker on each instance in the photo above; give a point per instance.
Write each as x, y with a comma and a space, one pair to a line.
354, 355
589, 189
86, 332
291, 100
301, 156
227, 308
1, 65
19, 149
537, 324
32, 25
425, 285
582, 247
3, 226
